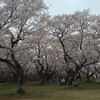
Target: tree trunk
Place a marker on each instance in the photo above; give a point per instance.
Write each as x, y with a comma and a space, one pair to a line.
75, 81
15, 77
87, 75
21, 89
76, 76
42, 79
48, 77
21, 81
88, 79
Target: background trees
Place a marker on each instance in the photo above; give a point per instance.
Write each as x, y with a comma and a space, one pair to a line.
74, 34
31, 41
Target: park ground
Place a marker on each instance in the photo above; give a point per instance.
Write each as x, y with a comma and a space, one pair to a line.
51, 91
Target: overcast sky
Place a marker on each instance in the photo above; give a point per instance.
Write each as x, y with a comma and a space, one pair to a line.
69, 6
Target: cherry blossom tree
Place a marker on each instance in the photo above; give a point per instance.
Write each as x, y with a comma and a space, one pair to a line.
18, 18
73, 32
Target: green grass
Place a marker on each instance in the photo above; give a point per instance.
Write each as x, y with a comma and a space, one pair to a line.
51, 91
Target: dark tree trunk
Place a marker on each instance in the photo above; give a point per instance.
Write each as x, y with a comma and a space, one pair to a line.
88, 79
76, 76
48, 78
21, 81
21, 78
15, 76
87, 75
21, 88
42, 80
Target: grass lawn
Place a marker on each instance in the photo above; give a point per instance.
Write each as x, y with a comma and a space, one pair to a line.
51, 91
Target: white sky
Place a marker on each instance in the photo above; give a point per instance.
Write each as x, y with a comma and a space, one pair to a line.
69, 6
